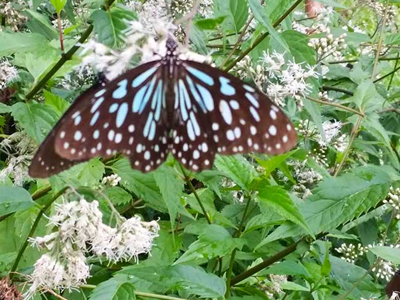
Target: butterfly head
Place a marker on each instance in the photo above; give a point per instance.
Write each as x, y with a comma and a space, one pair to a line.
171, 46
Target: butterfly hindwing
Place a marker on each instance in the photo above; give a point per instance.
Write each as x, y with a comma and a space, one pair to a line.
226, 116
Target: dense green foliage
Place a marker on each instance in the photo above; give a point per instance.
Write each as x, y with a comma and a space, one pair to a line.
319, 222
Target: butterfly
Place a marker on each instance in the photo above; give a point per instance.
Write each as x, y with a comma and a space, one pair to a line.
169, 105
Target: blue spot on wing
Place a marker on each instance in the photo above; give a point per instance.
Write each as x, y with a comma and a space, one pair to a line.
121, 91
121, 114
226, 88
201, 75
142, 77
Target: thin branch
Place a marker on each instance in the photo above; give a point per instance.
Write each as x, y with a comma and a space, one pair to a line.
336, 105
189, 183
353, 136
335, 89
262, 37
266, 263
388, 74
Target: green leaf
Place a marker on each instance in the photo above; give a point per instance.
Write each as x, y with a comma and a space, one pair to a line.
142, 184
262, 17
336, 201
113, 289
288, 267
11, 43
193, 280
274, 162
58, 5
239, 12
91, 173
237, 168
104, 27
198, 282
288, 285
207, 199
215, 241
209, 24
171, 187
38, 23
366, 96
5, 108
235, 11
387, 253
36, 119
352, 277
58, 103
277, 198
13, 199
117, 195
109, 25
298, 44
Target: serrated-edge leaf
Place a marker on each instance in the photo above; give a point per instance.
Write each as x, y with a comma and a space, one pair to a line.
13, 199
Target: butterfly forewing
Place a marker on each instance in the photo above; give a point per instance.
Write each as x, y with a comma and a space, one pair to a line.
225, 116
47, 161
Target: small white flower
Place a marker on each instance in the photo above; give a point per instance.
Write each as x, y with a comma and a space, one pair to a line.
111, 180
8, 73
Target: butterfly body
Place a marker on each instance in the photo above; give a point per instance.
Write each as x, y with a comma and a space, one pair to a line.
169, 105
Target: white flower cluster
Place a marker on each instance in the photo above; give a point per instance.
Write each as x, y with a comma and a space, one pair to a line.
7, 73
19, 148
306, 178
320, 22
384, 270
286, 79
380, 8
111, 180
58, 273
80, 229
393, 199
329, 47
13, 18
277, 77
351, 253
332, 131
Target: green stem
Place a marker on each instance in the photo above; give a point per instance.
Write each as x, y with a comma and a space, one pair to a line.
33, 229
232, 261
189, 183
64, 58
262, 37
336, 105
